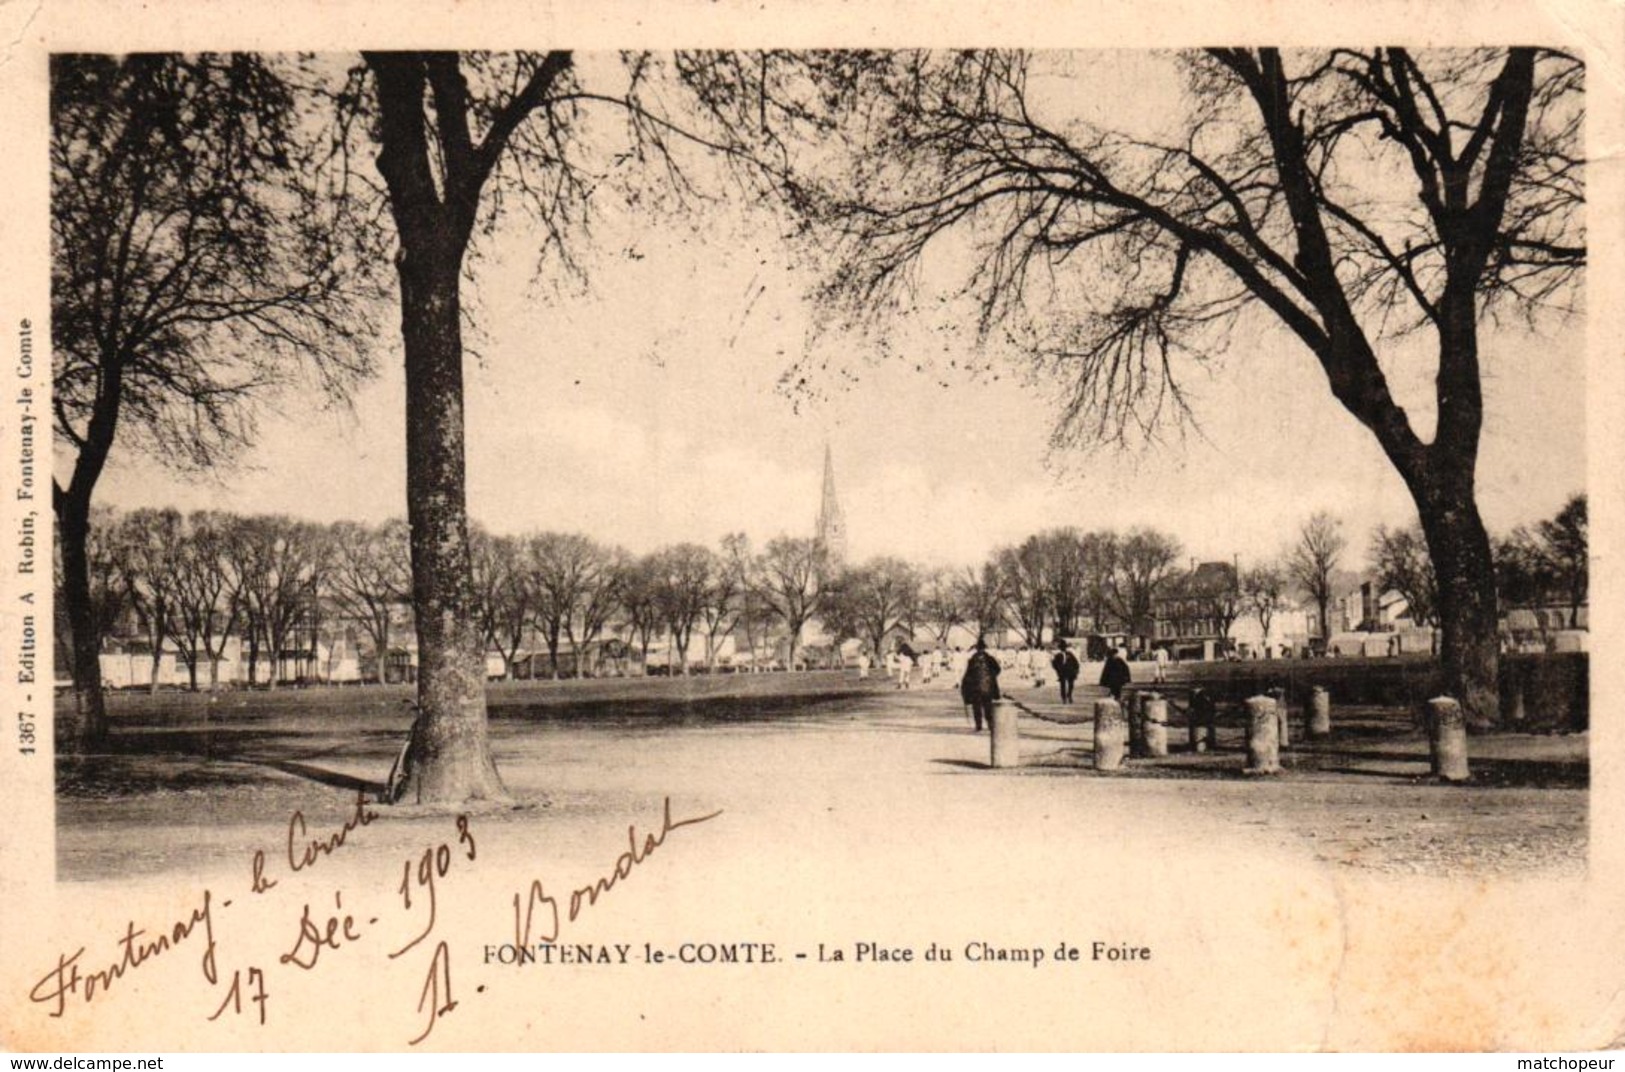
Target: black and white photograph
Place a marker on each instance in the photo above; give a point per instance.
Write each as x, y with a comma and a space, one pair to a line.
783, 529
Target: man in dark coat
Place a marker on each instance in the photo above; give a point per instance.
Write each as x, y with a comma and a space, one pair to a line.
1066, 669
980, 685
1116, 674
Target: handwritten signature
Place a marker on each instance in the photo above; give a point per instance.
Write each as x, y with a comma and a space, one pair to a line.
525, 905
436, 993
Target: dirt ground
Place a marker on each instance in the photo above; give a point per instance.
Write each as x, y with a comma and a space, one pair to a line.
1350, 896
190, 779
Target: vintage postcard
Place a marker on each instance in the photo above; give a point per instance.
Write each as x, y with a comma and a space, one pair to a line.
811, 526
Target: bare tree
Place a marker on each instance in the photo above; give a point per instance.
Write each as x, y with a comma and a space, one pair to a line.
877, 599
368, 577
1312, 563
1354, 197
276, 561
1067, 578
206, 602
506, 591
723, 605
1568, 546
1262, 590
638, 603
942, 603
1024, 582
1399, 558
740, 562
110, 593
790, 577
982, 591
600, 600
682, 582
563, 565
463, 139
1525, 574
1141, 561
150, 544
195, 264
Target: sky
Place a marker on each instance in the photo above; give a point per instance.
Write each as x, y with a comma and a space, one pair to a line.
684, 396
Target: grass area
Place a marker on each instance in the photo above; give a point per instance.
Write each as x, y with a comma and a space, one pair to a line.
183, 741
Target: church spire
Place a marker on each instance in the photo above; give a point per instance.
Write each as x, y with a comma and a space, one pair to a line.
831, 521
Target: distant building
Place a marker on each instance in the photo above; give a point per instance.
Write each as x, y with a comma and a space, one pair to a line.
1196, 610
831, 529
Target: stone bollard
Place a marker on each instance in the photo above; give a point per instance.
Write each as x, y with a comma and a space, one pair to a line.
1517, 712
1108, 735
1155, 713
1202, 722
1131, 718
1320, 712
1006, 739
1210, 719
1284, 714
1447, 736
1263, 746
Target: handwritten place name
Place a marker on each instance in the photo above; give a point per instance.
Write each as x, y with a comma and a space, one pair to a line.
313, 849
67, 979
310, 849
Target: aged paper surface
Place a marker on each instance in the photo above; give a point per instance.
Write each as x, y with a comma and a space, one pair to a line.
781, 888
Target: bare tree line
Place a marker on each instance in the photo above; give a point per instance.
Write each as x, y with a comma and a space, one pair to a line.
194, 581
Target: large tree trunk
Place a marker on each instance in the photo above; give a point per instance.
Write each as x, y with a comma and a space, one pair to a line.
449, 758
1441, 478
90, 728
72, 506
1447, 506
1469, 618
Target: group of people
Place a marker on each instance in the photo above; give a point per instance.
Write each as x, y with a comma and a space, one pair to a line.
906, 668
977, 672
979, 685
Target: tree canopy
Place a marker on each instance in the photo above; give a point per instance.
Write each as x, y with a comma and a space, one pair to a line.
1356, 199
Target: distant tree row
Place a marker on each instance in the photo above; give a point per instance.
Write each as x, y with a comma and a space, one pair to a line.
195, 580
1548, 564
1541, 565
1062, 582
199, 579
